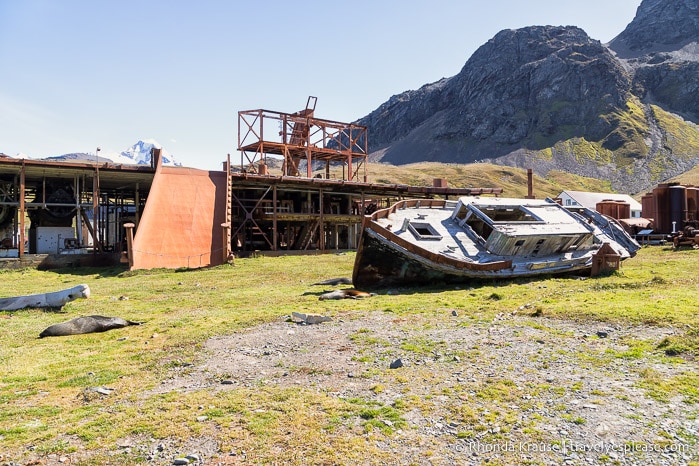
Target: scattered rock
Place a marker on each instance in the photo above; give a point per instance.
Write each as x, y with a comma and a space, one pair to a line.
308, 319
396, 364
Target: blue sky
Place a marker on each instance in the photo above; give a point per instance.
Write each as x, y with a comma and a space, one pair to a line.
78, 74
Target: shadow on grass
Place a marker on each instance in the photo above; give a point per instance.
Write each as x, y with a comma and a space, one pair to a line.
474, 284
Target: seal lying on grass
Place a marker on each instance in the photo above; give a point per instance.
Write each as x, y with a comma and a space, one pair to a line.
335, 281
349, 293
86, 324
56, 299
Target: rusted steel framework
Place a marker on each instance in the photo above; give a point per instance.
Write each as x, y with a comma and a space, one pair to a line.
301, 137
283, 213
68, 208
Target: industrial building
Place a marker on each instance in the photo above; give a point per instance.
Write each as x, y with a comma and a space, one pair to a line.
57, 214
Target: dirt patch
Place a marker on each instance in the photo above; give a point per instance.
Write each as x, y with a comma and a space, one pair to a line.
512, 389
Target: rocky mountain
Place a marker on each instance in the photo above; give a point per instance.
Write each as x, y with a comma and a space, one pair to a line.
551, 97
660, 49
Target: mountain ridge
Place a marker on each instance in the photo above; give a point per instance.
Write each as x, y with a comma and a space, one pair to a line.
552, 98
137, 154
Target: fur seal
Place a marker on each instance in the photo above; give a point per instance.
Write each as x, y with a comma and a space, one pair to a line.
335, 281
86, 324
54, 299
349, 293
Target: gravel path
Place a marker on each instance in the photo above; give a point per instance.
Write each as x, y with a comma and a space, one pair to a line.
510, 390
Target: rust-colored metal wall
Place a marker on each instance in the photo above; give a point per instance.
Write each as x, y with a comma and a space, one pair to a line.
692, 203
614, 209
181, 222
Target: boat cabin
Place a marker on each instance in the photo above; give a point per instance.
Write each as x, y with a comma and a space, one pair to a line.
509, 227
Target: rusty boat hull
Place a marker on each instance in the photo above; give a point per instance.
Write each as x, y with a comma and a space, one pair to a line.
425, 242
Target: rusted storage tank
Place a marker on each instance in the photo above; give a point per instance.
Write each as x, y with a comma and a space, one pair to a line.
624, 210
661, 206
647, 207
678, 207
692, 203
613, 208
606, 207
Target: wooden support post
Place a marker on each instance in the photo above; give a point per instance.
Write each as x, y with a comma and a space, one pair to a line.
226, 249
321, 224
95, 210
22, 213
137, 201
129, 242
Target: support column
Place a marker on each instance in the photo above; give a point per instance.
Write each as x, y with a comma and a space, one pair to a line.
21, 211
129, 242
275, 233
78, 219
95, 210
321, 224
226, 250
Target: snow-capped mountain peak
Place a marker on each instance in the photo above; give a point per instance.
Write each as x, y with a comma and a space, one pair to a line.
140, 153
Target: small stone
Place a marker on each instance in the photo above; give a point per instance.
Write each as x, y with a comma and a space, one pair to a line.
396, 364
202, 418
180, 461
226, 382
454, 313
602, 334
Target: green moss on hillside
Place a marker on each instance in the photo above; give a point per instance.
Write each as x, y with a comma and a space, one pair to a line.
584, 151
680, 137
627, 139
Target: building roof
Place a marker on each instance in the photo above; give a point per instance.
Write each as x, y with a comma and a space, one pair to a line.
590, 200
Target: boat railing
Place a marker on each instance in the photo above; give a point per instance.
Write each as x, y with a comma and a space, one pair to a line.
370, 223
408, 203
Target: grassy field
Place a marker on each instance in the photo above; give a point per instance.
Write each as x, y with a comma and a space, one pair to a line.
45, 384
512, 180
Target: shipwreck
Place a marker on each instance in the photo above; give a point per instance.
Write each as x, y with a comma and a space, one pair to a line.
426, 241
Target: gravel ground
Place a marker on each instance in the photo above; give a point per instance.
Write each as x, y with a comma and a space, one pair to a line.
515, 389
540, 390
